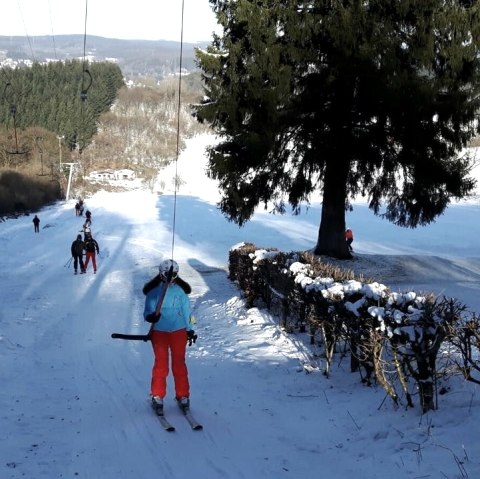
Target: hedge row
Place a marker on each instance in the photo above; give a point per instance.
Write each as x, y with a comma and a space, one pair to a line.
391, 337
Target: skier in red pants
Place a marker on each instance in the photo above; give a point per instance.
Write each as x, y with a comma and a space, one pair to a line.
170, 332
91, 247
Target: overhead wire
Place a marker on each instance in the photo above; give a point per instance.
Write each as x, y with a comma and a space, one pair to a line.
26, 32
51, 27
179, 106
85, 87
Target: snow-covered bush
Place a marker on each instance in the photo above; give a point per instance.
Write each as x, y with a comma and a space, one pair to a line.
392, 337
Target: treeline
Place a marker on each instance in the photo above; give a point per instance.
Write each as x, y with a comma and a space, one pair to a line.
20, 193
65, 98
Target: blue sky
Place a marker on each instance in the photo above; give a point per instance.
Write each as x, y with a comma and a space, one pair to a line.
141, 19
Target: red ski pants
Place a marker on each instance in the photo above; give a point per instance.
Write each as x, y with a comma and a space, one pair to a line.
172, 344
89, 256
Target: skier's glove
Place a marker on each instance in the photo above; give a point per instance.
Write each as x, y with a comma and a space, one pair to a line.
191, 337
152, 318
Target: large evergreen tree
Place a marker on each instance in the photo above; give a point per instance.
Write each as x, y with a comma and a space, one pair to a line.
345, 97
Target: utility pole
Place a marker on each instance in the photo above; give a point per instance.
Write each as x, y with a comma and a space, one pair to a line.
60, 138
69, 179
40, 150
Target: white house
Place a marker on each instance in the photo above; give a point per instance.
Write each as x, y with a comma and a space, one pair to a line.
102, 175
124, 174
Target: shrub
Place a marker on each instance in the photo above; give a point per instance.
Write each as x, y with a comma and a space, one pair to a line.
391, 337
20, 193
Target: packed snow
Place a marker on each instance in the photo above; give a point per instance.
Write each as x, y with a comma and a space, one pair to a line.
74, 403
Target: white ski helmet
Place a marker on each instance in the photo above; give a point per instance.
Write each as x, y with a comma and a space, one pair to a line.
166, 265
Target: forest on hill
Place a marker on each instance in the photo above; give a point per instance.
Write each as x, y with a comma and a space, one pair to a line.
42, 104
66, 98
59, 113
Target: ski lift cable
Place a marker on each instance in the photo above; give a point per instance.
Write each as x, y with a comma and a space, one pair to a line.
178, 130
87, 81
26, 31
51, 26
85, 70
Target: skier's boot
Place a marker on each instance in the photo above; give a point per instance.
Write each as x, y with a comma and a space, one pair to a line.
157, 404
184, 403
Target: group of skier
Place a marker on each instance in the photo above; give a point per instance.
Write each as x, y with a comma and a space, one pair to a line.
79, 207
167, 310
87, 246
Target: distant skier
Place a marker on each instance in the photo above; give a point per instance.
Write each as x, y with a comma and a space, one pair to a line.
86, 232
349, 239
170, 332
91, 247
36, 224
81, 206
77, 249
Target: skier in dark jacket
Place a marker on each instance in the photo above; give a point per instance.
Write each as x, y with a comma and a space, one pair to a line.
91, 247
77, 253
36, 224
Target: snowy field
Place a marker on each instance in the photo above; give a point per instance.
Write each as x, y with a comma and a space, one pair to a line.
74, 403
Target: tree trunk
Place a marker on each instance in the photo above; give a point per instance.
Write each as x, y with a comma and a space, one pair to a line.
425, 378
331, 239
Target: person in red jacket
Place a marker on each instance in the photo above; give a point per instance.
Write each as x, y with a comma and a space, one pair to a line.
349, 239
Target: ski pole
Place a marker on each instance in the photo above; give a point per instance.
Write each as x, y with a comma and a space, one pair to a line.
68, 263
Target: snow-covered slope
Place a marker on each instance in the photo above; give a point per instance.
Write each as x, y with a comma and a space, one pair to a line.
74, 402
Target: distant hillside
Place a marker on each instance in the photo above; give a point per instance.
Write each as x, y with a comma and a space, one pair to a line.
156, 58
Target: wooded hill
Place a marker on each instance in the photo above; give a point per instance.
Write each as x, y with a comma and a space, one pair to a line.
57, 101
136, 58
44, 124
65, 98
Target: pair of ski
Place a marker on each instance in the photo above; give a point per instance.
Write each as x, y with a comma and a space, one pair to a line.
194, 424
